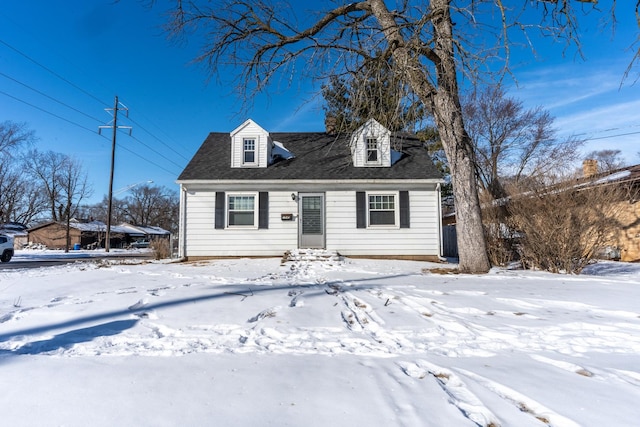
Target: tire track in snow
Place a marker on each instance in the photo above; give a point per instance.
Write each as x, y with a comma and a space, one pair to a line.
457, 391
523, 403
567, 366
454, 328
361, 317
603, 375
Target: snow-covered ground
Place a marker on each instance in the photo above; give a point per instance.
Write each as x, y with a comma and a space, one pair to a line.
338, 342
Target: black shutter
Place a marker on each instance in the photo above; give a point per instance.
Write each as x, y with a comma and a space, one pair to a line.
361, 209
404, 209
220, 202
263, 210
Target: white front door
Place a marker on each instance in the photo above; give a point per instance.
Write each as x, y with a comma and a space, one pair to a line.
311, 220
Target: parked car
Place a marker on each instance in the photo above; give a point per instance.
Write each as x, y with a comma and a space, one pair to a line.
139, 244
6, 248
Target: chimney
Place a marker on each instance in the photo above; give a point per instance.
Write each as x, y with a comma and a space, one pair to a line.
589, 167
330, 124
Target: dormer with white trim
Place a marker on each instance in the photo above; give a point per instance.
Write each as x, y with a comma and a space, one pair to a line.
250, 146
371, 145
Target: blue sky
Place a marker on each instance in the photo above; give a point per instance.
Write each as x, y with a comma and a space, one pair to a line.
60, 67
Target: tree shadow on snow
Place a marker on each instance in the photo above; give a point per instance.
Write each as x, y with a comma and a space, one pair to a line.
68, 339
236, 290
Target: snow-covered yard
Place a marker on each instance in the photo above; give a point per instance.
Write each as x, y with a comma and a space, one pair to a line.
339, 342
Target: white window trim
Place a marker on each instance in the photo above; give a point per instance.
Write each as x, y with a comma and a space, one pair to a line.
255, 211
396, 210
256, 142
366, 150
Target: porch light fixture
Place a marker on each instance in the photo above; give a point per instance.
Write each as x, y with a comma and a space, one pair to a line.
293, 196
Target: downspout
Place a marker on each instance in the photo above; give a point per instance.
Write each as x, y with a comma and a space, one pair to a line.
440, 255
182, 225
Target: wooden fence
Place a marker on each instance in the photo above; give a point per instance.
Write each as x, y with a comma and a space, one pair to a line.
449, 241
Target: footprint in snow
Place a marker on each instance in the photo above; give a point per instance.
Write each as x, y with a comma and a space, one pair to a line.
269, 312
140, 304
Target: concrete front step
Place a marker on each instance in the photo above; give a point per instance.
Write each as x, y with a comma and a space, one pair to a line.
311, 255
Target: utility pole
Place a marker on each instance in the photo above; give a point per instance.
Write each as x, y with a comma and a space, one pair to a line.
114, 127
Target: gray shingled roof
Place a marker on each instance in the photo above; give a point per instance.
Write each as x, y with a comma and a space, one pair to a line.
317, 156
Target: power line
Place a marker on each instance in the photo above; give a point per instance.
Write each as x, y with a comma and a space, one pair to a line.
156, 152
48, 96
158, 139
81, 112
53, 72
146, 159
46, 111
613, 136
92, 131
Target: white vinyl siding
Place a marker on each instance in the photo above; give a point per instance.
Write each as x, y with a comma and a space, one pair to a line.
202, 239
422, 238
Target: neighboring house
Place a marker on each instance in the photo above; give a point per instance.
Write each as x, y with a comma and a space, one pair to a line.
91, 234
16, 230
625, 243
255, 193
85, 234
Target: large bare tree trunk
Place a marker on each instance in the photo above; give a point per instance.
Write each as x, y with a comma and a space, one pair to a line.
444, 103
472, 246
457, 145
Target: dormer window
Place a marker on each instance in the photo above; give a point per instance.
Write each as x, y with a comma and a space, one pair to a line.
249, 150
373, 150
371, 146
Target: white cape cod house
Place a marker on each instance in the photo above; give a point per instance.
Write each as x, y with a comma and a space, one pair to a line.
255, 193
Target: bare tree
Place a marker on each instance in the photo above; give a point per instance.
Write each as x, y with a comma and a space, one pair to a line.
152, 206
146, 205
20, 199
428, 53
45, 168
73, 189
608, 159
13, 135
512, 143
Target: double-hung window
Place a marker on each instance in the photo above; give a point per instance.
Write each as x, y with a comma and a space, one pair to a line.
241, 210
373, 150
382, 209
249, 150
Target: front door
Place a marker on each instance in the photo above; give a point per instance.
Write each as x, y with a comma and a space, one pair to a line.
311, 220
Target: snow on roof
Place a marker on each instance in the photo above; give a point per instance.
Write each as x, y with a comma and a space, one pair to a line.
124, 228
13, 229
97, 226
279, 152
144, 230
613, 177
